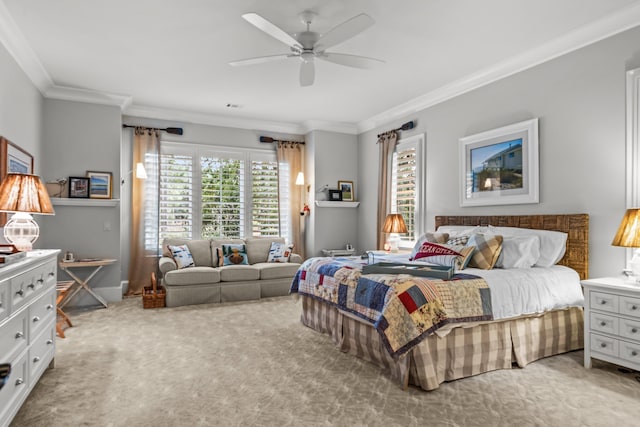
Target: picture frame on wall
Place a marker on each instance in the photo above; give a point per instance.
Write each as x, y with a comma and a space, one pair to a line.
13, 159
348, 193
79, 187
500, 166
100, 184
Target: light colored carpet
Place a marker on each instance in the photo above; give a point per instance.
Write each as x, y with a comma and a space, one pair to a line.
254, 363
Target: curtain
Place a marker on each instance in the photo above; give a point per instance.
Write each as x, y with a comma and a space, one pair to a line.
144, 210
387, 143
290, 156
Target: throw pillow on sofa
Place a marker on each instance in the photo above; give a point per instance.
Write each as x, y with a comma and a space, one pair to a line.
181, 255
279, 252
234, 255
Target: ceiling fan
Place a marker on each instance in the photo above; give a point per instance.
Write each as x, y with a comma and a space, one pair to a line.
308, 45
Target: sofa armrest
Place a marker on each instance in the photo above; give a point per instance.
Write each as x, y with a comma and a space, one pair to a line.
296, 258
166, 264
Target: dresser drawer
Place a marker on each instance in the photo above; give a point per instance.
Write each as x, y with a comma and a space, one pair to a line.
14, 335
23, 289
630, 306
604, 323
16, 386
604, 302
42, 350
604, 345
41, 312
4, 300
630, 351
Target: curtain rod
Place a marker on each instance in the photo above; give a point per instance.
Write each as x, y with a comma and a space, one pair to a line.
174, 131
406, 126
269, 139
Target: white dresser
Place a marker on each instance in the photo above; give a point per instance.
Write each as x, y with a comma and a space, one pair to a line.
27, 325
612, 321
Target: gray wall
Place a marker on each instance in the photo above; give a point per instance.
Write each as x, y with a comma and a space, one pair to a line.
580, 101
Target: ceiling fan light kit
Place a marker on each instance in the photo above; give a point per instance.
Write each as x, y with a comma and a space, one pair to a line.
308, 45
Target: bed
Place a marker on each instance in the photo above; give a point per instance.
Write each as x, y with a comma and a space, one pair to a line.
470, 344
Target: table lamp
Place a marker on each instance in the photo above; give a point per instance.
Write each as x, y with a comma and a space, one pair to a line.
628, 236
23, 194
393, 224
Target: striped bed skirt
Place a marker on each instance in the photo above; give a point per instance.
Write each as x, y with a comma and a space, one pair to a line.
463, 352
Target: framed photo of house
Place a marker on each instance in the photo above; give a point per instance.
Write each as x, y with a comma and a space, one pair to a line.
500, 166
100, 184
346, 187
13, 159
78, 187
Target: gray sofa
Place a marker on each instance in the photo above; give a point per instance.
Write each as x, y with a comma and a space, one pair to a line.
206, 283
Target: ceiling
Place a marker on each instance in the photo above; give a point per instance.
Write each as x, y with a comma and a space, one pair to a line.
169, 59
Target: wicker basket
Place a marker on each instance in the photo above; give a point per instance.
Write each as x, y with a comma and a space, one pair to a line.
153, 296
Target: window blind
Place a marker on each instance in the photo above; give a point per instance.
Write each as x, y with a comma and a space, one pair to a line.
403, 188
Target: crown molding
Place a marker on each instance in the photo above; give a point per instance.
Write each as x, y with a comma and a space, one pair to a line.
84, 95
338, 127
608, 26
18, 47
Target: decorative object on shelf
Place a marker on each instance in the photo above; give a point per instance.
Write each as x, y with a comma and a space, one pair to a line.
348, 194
100, 184
78, 187
13, 159
23, 194
57, 187
393, 224
322, 193
335, 195
628, 236
500, 166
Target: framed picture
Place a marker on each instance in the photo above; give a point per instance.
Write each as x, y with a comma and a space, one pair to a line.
100, 184
346, 187
13, 159
500, 166
78, 187
335, 195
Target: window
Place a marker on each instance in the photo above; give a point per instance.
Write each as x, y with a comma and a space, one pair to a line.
407, 187
210, 192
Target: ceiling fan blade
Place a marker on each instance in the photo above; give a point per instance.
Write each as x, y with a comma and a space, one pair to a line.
344, 31
260, 60
307, 73
351, 60
271, 29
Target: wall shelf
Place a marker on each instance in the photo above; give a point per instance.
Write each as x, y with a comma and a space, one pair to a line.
64, 201
329, 204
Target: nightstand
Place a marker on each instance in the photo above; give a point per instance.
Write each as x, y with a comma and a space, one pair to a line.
612, 321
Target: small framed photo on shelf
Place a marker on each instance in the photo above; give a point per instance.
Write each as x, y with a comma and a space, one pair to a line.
335, 195
100, 184
348, 195
78, 187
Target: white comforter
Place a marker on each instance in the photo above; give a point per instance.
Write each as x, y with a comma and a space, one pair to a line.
520, 291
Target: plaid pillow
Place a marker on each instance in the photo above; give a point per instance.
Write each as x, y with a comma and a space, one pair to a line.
447, 255
488, 248
458, 240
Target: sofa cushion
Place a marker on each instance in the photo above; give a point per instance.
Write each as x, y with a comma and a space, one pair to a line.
200, 250
277, 270
192, 276
258, 248
238, 273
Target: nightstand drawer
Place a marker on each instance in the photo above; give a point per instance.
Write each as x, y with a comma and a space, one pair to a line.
604, 345
630, 351
604, 323
630, 306
604, 302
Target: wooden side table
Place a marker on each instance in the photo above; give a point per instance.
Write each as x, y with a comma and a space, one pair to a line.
96, 264
62, 288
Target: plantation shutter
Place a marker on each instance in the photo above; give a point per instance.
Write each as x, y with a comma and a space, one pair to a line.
176, 196
265, 219
403, 193
222, 195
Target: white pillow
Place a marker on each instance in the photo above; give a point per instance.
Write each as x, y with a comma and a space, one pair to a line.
460, 230
279, 252
519, 252
553, 244
181, 255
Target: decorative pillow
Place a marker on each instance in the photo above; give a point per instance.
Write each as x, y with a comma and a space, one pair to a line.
234, 255
181, 255
553, 244
488, 249
219, 259
428, 237
519, 252
458, 240
447, 255
280, 252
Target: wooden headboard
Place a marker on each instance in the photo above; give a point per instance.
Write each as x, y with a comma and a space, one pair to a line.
575, 225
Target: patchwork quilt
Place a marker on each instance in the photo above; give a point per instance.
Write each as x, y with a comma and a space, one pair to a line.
404, 309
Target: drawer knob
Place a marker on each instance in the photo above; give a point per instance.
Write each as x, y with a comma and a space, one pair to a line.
634, 307
19, 381
49, 342
634, 353
603, 302
603, 323
603, 345
634, 330
36, 319
19, 335
36, 359
31, 285
41, 280
51, 274
49, 307
20, 292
